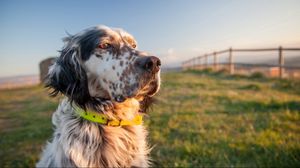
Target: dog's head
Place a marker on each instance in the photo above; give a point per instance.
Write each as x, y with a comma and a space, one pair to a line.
104, 63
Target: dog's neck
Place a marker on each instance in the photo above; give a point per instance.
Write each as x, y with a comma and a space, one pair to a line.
126, 110
108, 115
93, 145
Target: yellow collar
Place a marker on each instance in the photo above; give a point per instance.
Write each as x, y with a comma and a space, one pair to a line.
103, 119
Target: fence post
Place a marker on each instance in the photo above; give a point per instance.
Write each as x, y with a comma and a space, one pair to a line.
206, 61
215, 62
231, 64
201, 63
198, 63
281, 62
193, 63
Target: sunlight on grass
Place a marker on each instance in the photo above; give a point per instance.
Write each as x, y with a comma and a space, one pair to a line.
219, 120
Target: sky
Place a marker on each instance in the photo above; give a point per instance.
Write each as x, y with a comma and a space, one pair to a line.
173, 30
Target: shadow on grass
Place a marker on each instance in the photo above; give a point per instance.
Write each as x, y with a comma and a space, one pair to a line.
223, 74
290, 86
253, 87
232, 106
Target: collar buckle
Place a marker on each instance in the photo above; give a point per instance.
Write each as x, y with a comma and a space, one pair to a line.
114, 123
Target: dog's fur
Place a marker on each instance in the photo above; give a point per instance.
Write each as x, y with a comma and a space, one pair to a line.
100, 69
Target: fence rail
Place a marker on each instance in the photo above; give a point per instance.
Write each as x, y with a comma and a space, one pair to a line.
202, 61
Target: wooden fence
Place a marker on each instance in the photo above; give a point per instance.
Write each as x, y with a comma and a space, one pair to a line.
202, 61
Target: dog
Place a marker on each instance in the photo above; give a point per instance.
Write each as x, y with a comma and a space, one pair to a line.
107, 84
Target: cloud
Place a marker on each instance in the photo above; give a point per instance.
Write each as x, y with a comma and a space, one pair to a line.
170, 51
170, 58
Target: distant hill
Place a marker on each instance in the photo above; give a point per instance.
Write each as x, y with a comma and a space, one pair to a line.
18, 81
293, 61
171, 69
289, 62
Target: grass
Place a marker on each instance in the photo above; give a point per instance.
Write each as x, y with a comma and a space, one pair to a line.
24, 125
200, 119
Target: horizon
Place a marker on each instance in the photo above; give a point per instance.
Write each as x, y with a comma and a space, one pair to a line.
172, 30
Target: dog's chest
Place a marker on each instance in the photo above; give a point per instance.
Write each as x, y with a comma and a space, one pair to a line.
92, 145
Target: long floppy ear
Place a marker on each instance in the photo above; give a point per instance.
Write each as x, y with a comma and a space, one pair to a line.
67, 76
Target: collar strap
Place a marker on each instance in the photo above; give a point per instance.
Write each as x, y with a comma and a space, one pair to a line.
105, 120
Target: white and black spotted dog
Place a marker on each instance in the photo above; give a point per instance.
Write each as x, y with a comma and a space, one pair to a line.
100, 70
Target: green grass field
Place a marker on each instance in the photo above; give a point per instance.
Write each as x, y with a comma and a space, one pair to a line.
200, 119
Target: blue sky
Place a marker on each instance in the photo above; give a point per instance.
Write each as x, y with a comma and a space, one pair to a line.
173, 30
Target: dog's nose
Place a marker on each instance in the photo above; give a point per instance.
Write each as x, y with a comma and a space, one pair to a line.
150, 63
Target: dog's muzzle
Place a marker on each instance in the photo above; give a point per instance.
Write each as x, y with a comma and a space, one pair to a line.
147, 69
149, 63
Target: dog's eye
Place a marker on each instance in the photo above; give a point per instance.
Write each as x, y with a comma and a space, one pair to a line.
104, 46
133, 45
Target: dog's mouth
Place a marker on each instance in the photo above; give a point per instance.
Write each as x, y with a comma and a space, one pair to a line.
152, 87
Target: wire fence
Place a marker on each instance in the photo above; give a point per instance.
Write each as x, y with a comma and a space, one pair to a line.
225, 60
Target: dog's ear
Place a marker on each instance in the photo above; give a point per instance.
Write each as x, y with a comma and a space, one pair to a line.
67, 76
